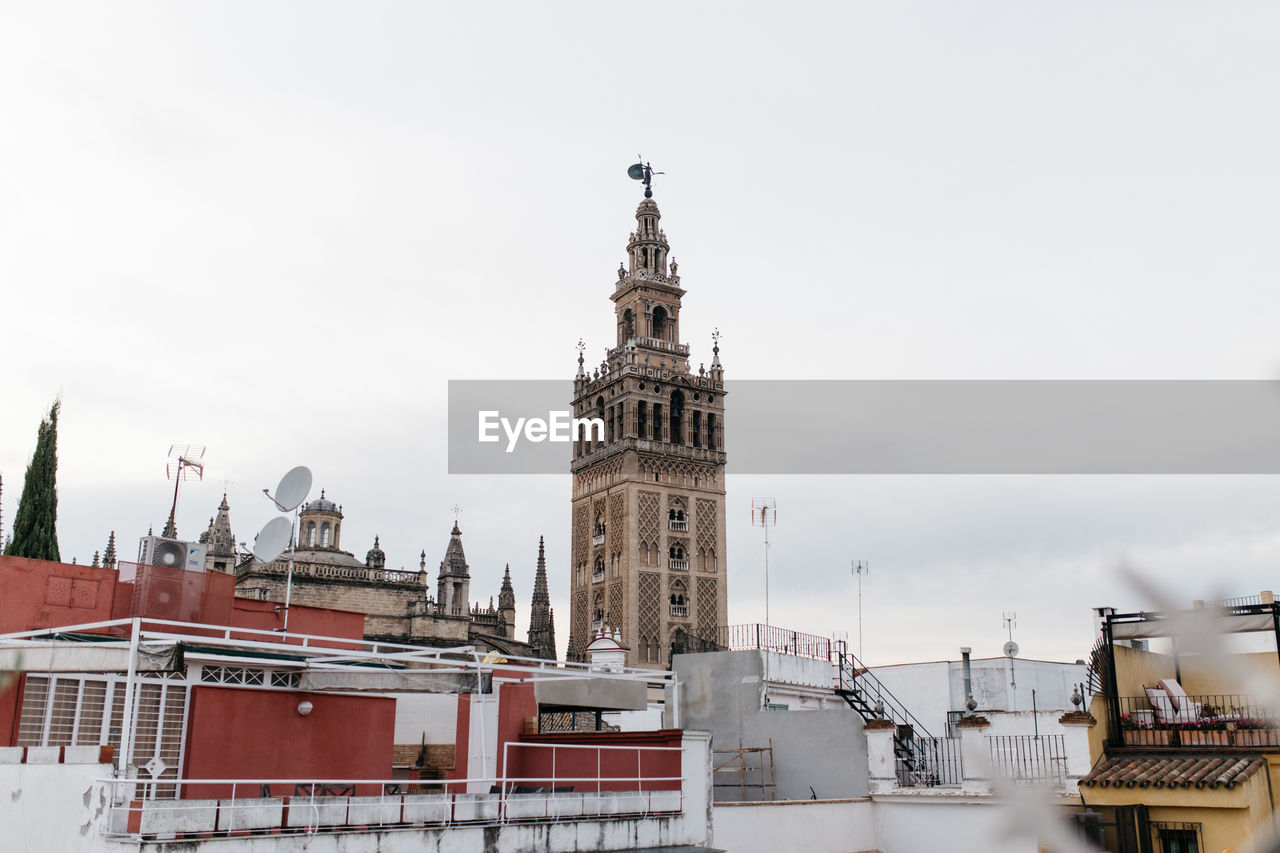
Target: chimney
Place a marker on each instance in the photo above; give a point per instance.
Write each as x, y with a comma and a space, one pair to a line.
965, 651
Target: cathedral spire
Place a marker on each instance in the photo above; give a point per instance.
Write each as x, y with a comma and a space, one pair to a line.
542, 630
109, 555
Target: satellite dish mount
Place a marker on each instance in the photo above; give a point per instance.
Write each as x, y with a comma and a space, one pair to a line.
643, 171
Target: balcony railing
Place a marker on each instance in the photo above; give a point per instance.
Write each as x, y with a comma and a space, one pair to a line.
597, 538
596, 577
1212, 720
678, 526
1029, 758
680, 611
934, 761
678, 565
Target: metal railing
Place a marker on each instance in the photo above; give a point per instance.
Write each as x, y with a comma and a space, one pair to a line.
935, 761
1211, 720
1029, 758
300, 805
771, 639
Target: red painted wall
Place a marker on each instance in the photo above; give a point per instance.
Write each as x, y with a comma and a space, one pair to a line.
41, 594
10, 701
257, 734
535, 762
262, 615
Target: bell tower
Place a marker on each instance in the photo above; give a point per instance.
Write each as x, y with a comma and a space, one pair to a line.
648, 515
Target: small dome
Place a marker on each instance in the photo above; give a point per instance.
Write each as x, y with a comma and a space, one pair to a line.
321, 504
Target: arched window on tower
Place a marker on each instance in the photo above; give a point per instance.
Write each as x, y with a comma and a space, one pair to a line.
711, 431
324, 535
677, 417
310, 538
597, 612
679, 599
696, 429
659, 323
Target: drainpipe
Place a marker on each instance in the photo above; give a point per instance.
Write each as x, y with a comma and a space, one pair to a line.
965, 651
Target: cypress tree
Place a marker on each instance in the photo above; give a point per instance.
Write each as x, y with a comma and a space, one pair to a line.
35, 532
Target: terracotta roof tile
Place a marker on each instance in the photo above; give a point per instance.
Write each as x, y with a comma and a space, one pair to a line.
1160, 771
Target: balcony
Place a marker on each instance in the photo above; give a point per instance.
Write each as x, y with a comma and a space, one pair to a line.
597, 538
678, 565
678, 526
680, 611
1213, 721
597, 577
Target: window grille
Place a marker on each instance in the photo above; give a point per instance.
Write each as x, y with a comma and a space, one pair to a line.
88, 710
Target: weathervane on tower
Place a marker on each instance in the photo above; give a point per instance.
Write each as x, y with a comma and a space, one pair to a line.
643, 171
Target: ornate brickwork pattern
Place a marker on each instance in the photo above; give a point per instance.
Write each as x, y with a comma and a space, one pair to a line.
650, 604
617, 515
616, 608
581, 533
706, 601
581, 630
648, 517
705, 520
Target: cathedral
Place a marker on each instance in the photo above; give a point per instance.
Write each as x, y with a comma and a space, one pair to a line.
648, 516
397, 604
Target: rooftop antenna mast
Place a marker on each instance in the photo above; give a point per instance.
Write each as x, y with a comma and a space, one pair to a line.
1011, 649
859, 569
184, 463
278, 533
764, 513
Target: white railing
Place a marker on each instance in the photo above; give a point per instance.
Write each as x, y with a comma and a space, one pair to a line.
680, 610
239, 805
680, 526
320, 651
596, 577
597, 539
678, 565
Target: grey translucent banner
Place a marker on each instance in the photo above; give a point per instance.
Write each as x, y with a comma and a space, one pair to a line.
916, 427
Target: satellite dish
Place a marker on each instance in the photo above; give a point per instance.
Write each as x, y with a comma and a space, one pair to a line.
274, 537
636, 172
1011, 649
293, 488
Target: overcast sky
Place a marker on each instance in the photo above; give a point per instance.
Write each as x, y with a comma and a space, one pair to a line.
279, 229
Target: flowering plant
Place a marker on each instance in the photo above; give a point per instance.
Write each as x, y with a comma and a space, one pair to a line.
1128, 723
1206, 724
1255, 723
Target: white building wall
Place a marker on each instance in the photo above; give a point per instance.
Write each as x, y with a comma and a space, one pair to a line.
884, 824
50, 808
930, 690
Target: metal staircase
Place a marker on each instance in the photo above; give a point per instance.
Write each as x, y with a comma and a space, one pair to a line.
914, 748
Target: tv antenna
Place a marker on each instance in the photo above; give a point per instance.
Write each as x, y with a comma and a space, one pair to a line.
764, 513
643, 171
277, 533
1010, 647
184, 464
860, 569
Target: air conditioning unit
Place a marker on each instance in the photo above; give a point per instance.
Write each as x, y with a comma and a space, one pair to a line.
171, 553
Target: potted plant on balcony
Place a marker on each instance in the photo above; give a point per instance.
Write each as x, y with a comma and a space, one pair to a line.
1255, 731
1138, 731
1204, 732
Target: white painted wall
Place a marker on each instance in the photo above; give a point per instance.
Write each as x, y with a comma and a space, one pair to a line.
927, 824
824, 826
51, 808
889, 824
929, 690
482, 743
